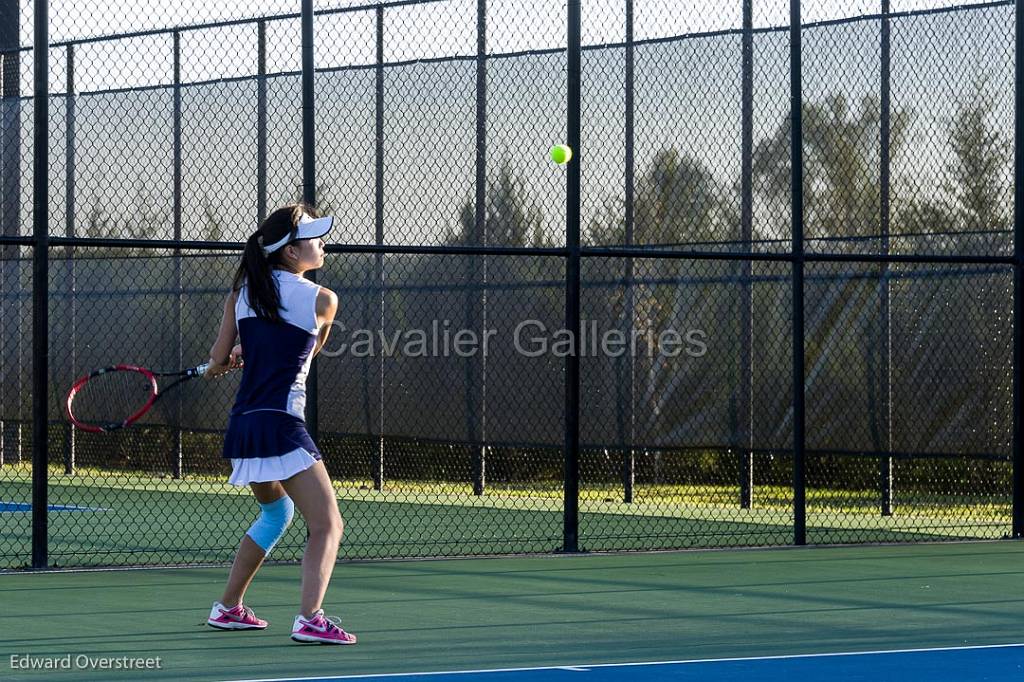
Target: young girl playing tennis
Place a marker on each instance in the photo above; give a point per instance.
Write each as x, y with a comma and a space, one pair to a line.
282, 321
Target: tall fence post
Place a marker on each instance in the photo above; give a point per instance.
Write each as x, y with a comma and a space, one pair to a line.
570, 540
309, 185
476, 300
69, 251
261, 122
378, 260
177, 455
625, 403
745, 402
1018, 277
885, 290
10, 216
797, 206
40, 288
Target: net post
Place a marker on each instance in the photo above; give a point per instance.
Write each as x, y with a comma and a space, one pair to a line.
745, 408
177, 455
570, 540
796, 179
40, 289
378, 261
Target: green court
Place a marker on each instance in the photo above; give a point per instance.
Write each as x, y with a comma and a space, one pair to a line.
529, 611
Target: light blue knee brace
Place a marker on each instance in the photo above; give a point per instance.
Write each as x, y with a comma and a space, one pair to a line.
272, 522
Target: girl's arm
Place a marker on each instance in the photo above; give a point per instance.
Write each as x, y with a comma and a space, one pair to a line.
326, 309
225, 354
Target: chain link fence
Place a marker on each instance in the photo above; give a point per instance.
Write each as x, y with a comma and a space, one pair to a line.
790, 254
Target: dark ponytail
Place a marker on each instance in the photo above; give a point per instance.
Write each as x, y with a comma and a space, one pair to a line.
256, 271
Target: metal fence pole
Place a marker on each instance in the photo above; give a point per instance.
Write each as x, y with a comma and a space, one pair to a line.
10, 215
797, 178
625, 404
261, 122
177, 456
570, 540
378, 265
885, 291
1018, 278
476, 301
69, 251
40, 288
745, 403
309, 185
10, 78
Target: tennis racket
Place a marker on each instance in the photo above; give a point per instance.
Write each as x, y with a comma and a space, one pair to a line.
116, 397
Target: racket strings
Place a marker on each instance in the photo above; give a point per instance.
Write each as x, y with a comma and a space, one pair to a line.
111, 398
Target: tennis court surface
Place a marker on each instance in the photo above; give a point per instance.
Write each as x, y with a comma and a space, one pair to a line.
928, 612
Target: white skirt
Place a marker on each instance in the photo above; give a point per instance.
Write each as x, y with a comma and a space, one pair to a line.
263, 469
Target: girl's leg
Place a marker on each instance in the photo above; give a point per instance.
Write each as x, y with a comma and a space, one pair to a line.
250, 555
313, 494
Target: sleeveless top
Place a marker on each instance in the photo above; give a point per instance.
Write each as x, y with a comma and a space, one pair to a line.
277, 355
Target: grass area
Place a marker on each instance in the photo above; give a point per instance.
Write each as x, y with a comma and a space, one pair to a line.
661, 498
145, 519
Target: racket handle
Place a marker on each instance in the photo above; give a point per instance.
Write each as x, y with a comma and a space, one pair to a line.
198, 370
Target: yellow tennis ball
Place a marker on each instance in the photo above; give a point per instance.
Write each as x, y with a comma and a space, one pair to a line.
561, 154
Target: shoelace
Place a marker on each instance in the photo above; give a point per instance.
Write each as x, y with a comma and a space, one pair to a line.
330, 623
246, 612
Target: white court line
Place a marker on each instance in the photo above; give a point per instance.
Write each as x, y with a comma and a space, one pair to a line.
583, 667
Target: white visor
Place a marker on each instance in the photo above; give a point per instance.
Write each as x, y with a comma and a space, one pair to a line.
309, 228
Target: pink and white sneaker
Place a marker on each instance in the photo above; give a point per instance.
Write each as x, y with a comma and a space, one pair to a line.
239, 618
320, 628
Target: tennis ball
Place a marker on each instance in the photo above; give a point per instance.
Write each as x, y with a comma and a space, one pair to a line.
561, 154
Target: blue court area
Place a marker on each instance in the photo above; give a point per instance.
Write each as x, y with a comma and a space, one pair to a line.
969, 664
27, 507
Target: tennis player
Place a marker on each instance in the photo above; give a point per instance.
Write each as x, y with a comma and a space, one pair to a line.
281, 320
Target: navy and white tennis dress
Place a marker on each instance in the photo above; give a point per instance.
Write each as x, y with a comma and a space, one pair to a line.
266, 438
